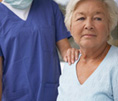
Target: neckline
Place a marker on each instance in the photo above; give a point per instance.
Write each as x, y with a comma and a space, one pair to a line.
94, 73
16, 16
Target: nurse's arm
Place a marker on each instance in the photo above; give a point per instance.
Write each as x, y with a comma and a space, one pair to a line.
68, 53
0, 78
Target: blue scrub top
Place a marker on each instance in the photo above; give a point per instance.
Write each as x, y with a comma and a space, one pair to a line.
31, 67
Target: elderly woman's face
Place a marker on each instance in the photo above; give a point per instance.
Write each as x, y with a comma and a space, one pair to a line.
89, 25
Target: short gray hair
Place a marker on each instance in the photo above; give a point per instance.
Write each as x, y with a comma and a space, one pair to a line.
111, 7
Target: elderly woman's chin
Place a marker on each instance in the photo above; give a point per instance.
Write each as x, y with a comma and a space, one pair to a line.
89, 43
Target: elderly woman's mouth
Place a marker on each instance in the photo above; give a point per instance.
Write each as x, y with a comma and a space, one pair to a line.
89, 35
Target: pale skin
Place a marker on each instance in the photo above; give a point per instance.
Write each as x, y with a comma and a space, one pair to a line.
90, 30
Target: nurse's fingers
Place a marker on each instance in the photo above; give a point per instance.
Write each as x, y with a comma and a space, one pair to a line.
77, 52
74, 55
71, 55
67, 57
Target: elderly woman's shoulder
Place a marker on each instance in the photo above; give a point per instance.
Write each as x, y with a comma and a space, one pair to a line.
68, 69
113, 54
114, 51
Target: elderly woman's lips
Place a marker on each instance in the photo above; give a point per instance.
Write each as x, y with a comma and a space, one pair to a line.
88, 35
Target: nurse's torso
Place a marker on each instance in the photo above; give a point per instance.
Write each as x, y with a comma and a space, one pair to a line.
31, 65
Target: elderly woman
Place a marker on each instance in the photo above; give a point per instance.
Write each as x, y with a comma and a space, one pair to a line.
94, 77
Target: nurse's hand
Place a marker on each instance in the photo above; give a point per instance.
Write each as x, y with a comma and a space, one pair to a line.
71, 55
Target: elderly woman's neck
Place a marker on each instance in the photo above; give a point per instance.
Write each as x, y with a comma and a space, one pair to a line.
94, 53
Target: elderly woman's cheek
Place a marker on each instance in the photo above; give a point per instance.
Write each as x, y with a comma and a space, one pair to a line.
77, 38
105, 33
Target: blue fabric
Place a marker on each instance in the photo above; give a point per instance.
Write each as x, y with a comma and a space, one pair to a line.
102, 85
31, 67
0, 52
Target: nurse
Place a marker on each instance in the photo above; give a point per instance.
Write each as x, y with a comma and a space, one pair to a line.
30, 32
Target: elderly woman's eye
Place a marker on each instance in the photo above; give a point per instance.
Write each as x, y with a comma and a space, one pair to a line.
82, 18
98, 19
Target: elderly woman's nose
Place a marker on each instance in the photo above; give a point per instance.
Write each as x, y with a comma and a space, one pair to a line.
89, 24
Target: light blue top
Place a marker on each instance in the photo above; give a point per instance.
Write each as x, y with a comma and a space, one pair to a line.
102, 85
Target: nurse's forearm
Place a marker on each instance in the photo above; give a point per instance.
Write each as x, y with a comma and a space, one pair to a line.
0, 78
63, 45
